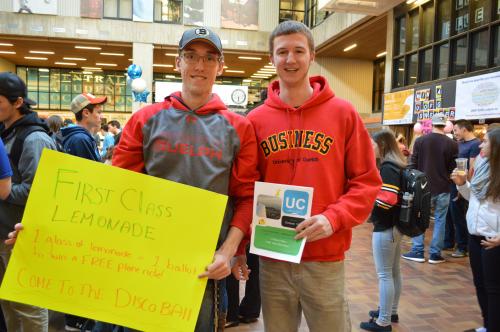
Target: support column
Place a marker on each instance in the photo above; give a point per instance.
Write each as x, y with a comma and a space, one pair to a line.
142, 53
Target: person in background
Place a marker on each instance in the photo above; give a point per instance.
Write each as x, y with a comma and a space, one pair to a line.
386, 240
114, 128
401, 140
108, 141
434, 154
483, 193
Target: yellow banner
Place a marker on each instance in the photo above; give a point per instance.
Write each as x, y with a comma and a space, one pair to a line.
398, 107
114, 245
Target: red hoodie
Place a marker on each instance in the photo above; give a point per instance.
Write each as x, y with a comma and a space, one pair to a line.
321, 144
209, 148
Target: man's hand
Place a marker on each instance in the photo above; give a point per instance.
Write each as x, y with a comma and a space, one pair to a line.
458, 178
491, 242
13, 235
220, 267
240, 268
315, 228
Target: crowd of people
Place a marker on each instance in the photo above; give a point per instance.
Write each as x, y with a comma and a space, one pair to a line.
321, 142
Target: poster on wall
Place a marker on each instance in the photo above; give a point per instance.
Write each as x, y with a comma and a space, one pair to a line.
47, 7
143, 10
193, 12
478, 97
91, 8
240, 14
231, 95
398, 107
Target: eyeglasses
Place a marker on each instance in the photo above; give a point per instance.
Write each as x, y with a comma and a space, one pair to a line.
193, 58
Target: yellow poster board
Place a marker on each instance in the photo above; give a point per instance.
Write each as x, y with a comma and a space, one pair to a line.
114, 245
398, 107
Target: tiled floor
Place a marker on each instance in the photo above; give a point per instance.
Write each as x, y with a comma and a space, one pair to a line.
434, 298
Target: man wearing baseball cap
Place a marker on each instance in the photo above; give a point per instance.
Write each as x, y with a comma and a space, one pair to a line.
193, 139
78, 140
434, 154
24, 136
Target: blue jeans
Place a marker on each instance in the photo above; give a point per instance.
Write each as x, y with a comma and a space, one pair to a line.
440, 202
386, 254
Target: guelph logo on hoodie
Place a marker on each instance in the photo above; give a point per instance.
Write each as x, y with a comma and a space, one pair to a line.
296, 139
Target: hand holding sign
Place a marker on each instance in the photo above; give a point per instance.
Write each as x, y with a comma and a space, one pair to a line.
113, 245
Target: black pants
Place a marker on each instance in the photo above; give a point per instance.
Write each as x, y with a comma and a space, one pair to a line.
250, 305
485, 264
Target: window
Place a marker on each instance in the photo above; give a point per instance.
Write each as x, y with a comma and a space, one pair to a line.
399, 72
461, 15
413, 32
443, 19
378, 84
428, 24
459, 56
479, 50
55, 88
118, 9
425, 65
480, 12
292, 10
400, 35
411, 73
168, 11
441, 61
496, 46
313, 15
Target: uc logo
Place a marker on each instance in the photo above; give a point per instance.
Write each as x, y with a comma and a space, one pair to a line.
295, 202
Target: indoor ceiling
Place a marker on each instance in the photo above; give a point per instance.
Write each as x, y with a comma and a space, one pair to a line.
63, 53
367, 7
369, 38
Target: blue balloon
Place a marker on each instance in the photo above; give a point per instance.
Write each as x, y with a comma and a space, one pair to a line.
141, 97
134, 71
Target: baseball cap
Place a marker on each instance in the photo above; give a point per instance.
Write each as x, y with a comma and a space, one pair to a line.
439, 120
12, 85
203, 34
84, 99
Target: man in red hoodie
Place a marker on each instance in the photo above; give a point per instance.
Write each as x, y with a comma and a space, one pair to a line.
309, 137
193, 139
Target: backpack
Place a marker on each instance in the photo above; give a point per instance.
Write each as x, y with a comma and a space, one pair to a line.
17, 146
415, 203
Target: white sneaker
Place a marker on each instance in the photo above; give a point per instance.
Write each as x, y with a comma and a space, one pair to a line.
481, 329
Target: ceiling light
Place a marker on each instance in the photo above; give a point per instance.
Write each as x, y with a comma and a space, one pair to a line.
170, 76
34, 58
41, 52
270, 67
227, 81
111, 54
106, 64
161, 65
87, 72
401, 69
261, 75
381, 54
268, 70
249, 58
225, 67
45, 70
91, 68
88, 47
6, 44
130, 59
348, 48
409, 2
7, 52
235, 71
74, 59
65, 63
247, 80
171, 54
